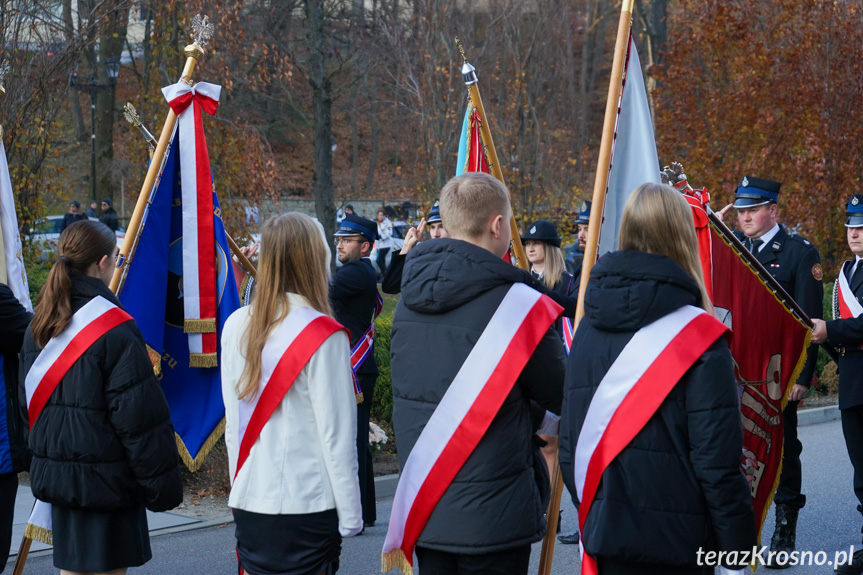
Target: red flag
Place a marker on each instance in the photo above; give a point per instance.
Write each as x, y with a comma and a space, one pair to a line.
769, 349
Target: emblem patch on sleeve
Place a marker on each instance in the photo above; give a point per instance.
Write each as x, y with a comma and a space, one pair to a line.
817, 273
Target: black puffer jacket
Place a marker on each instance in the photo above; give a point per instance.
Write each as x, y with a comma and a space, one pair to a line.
104, 440
677, 486
497, 500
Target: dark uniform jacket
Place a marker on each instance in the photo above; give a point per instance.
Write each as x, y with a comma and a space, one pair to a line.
353, 293
849, 333
104, 440
14, 319
498, 499
796, 265
677, 486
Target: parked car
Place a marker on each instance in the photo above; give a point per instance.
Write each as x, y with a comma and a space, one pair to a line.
45, 233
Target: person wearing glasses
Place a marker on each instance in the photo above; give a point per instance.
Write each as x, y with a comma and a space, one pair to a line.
354, 296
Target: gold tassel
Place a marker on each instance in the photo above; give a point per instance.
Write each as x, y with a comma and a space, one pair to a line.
40, 534
155, 359
393, 559
359, 398
203, 360
195, 464
203, 325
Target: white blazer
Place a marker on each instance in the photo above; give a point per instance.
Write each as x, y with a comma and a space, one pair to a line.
305, 460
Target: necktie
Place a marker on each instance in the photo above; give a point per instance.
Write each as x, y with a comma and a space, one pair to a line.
756, 245
854, 272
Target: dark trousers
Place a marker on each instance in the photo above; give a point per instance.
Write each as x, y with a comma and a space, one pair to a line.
508, 562
852, 429
791, 480
364, 451
608, 566
8, 491
382, 260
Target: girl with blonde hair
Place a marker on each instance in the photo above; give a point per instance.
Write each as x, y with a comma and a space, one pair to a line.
675, 489
290, 411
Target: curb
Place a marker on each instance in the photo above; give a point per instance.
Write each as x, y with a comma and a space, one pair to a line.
385, 486
818, 415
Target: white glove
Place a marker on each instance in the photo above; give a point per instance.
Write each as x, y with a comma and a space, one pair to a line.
726, 571
550, 425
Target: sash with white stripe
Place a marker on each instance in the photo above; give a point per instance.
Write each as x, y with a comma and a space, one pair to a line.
846, 304
634, 387
360, 352
286, 353
88, 324
568, 333
199, 244
464, 415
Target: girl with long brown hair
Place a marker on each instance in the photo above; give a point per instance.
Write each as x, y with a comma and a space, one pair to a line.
103, 444
293, 464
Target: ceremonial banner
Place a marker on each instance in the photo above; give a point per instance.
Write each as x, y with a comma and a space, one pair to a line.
633, 154
153, 293
769, 349
12, 271
471, 154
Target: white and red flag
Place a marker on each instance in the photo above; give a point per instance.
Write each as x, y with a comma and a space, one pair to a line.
633, 388
12, 271
463, 416
199, 249
633, 153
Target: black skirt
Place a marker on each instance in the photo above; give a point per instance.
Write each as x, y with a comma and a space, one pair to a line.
97, 541
306, 544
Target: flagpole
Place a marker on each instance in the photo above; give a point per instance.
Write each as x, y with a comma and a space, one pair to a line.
597, 208
193, 53
471, 81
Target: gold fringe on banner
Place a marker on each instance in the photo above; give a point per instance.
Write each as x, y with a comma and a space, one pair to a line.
195, 464
393, 559
203, 360
37, 533
470, 121
155, 359
203, 325
359, 398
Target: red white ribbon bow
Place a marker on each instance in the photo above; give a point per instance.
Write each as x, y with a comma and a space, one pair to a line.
199, 249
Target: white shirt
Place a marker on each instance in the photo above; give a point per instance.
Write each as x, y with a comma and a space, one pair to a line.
305, 459
771, 233
385, 234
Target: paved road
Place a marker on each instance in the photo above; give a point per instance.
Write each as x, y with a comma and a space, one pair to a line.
829, 522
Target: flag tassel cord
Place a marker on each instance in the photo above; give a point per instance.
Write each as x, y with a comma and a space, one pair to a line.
490, 152
600, 186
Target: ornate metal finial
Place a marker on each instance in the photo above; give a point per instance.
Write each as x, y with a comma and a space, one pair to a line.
132, 117
202, 30
468, 71
460, 47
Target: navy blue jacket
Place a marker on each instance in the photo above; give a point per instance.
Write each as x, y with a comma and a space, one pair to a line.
849, 334
14, 455
353, 293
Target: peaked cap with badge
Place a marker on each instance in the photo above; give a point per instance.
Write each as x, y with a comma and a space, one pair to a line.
583, 213
854, 212
754, 192
354, 225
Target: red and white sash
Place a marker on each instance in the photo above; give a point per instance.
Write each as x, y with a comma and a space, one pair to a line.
199, 246
88, 324
360, 352
463, 416
634, 387
286, 353
568, 332
847, 304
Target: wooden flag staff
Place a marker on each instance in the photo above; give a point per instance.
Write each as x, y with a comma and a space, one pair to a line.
471, 81
202, 32
600, 186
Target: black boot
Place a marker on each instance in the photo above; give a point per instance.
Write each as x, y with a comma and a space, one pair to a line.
784, 537
571, 539
856, 566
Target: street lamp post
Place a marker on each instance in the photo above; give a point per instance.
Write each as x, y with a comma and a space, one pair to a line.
112, 67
